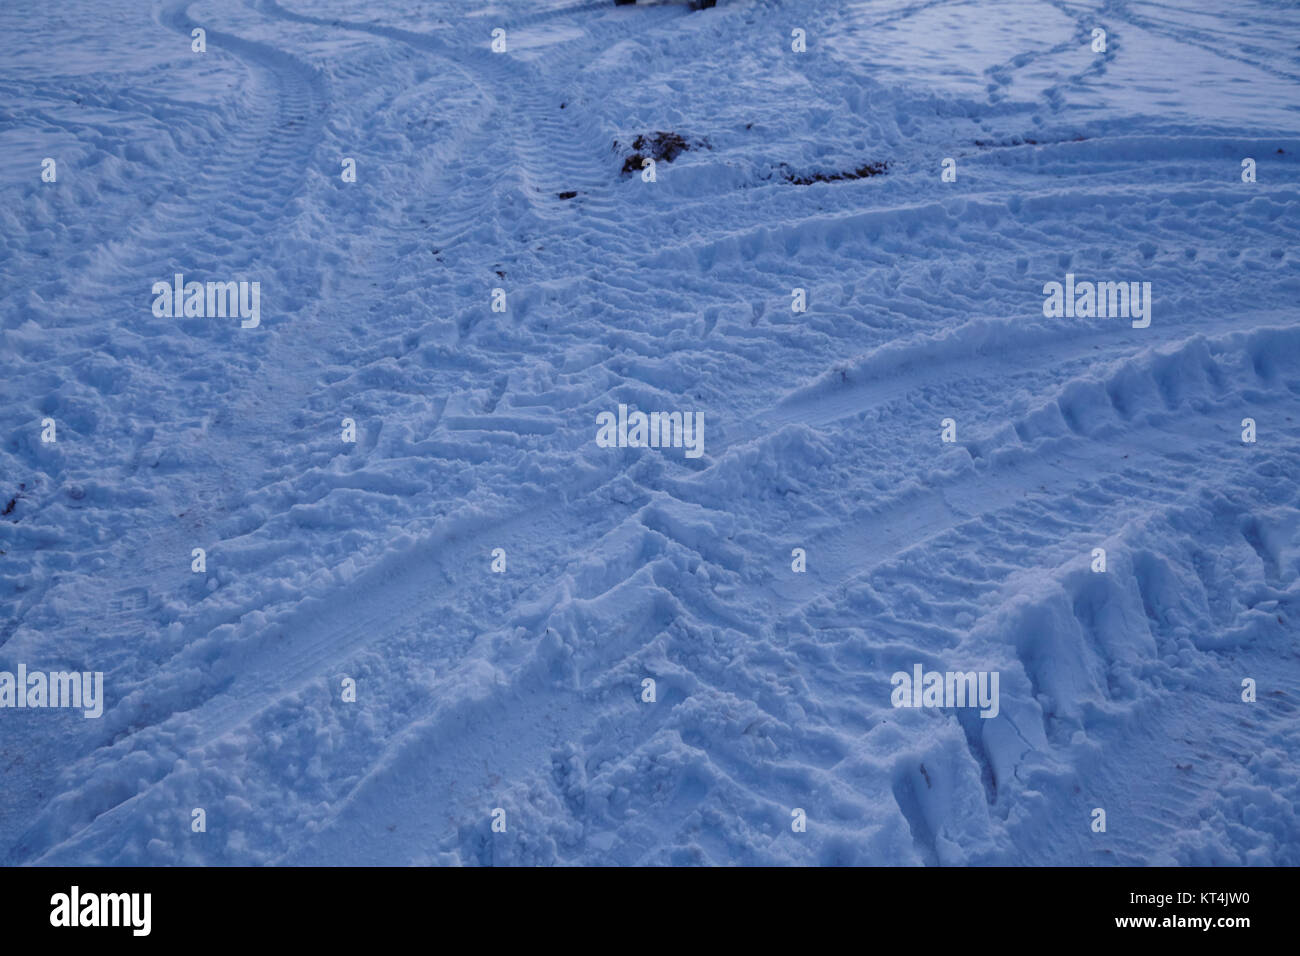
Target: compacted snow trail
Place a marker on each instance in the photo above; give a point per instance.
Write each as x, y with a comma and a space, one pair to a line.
514, 678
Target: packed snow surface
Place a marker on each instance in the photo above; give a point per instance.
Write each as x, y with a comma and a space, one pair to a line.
515, 698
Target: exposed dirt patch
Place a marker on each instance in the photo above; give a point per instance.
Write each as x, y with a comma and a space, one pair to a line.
1024, 141
865, 171
661, 146
13, 502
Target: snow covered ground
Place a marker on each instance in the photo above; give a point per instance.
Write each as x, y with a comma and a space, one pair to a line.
521, 690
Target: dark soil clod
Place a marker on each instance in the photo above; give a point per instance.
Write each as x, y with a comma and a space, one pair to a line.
862, 172
661, 146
